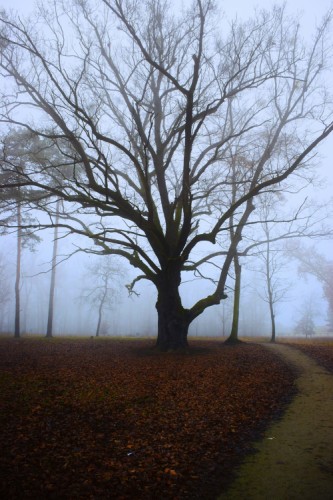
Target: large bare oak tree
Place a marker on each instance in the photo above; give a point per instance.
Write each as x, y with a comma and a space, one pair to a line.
155, 105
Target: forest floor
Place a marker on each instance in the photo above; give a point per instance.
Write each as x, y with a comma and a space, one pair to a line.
108, 418
294, 460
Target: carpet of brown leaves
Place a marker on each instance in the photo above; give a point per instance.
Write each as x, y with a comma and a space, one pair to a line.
114, 419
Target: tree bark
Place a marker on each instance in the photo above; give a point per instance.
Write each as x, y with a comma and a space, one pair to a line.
173, 319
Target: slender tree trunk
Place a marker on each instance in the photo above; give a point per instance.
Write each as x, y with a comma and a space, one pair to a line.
17, 333
233, 337
101, 305
173, 319
272, 322
270, 292
224, 321
99, 321
49, 330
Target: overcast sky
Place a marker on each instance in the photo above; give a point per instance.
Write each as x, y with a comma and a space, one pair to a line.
310, 13
312, 10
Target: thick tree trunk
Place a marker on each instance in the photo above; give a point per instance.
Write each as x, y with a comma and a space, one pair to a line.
172, 329
233, 337
173, 319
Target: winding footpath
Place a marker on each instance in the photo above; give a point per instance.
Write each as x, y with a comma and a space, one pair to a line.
294, 460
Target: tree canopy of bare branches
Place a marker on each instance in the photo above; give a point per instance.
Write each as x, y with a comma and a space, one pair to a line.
161, 115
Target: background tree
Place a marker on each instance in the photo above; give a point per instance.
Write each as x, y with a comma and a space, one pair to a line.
306, 324
267, 245
104, 294
141, 96
237, 165
49, 329
15, 210
225, 315
233, 337
4, 287
276, 288
26, 150
313, 262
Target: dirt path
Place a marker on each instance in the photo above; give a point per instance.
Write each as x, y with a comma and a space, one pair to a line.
295, 457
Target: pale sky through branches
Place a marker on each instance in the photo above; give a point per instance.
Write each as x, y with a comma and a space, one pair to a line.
310, 14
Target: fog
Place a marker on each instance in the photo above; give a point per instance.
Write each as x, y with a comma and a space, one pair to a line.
135, 315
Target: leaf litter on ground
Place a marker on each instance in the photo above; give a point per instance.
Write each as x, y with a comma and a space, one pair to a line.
106, 418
